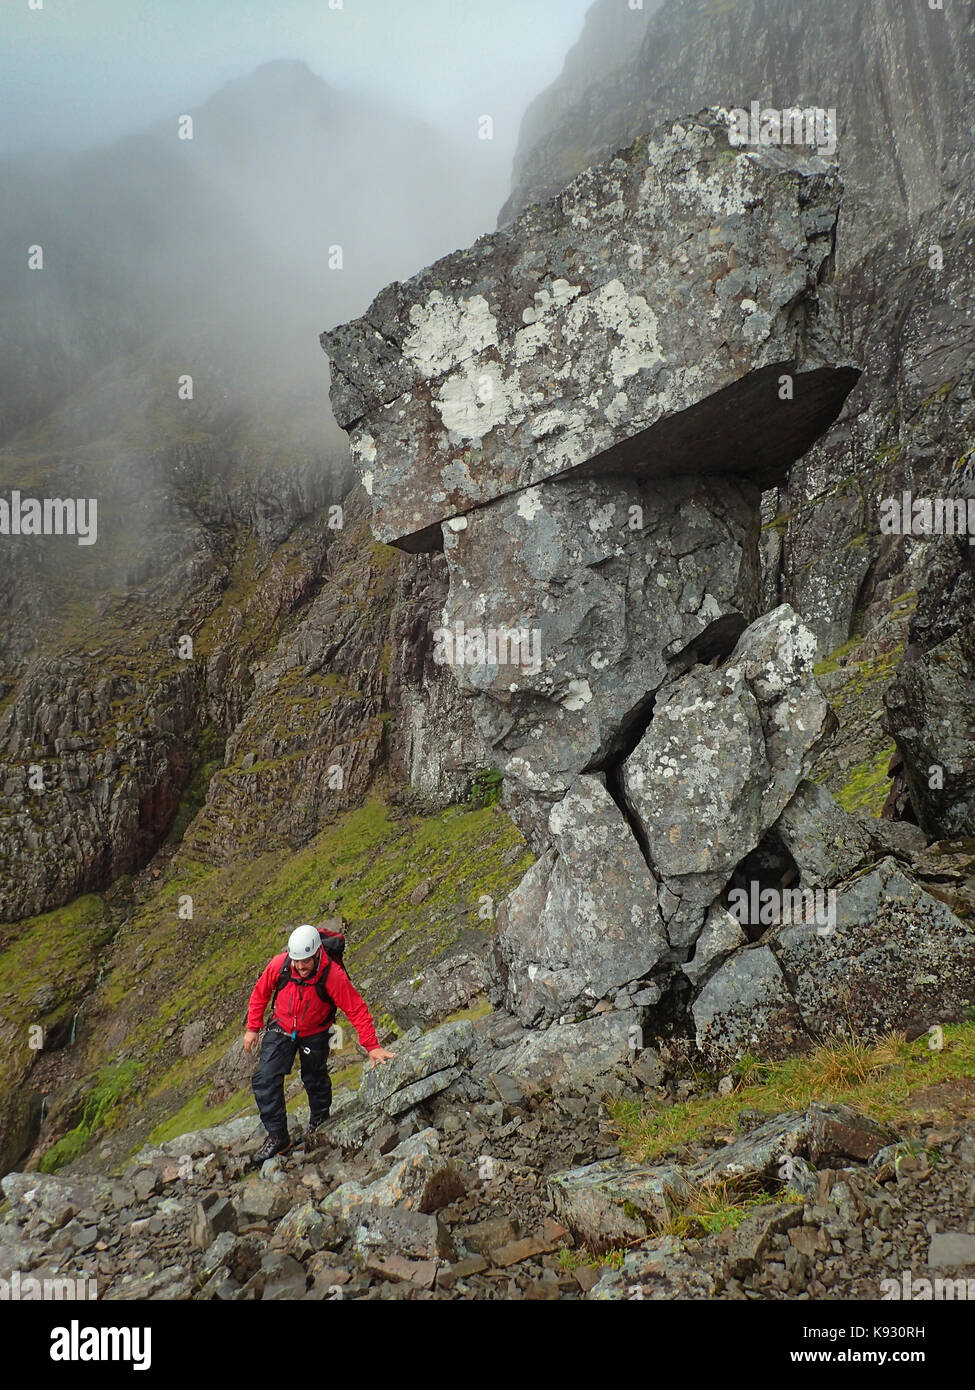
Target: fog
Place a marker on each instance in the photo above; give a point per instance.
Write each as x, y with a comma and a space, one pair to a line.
332, 150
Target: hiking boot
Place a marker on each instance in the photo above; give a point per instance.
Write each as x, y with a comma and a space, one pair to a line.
273, 1144
317, 1124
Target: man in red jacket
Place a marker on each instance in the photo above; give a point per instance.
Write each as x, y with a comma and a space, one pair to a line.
300, 1022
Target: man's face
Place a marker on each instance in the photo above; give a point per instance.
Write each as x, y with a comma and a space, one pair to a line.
304, 968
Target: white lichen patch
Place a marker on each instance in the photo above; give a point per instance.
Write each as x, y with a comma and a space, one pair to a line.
448, 331
602, 518
633, 321
363, 450
530, 503
556, 421
475, 400
579, 695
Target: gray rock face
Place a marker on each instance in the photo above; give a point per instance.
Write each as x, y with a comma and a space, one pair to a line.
610, 1202
747, 1006
931, 713
564, 429
612, 585
630, 70
439, 990
571, 1056
909, 184
584, 921
826, 844
423, 1066
720, 760
641, 319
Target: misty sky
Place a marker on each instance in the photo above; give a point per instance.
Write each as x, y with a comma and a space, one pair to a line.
81, 72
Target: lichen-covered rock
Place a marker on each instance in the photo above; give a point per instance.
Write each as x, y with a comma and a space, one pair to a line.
416, 1177
612, 1202
449, 983
722, 756
747, 1006
583, 922
569, 1057
657, 1270
896, 959
609, 587
889, 957
826, 843
641, 320
422, 1067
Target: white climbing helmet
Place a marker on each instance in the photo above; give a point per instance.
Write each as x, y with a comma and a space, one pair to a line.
303, 942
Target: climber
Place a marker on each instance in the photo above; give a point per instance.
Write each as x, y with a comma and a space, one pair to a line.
301, 1016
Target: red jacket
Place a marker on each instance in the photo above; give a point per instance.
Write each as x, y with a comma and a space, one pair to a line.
299, 1007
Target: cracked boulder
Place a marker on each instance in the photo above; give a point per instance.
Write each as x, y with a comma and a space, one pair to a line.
721, 759
583, 923
570, 603
638, 323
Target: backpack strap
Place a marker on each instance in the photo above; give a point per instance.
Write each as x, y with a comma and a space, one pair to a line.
323, 993
285, 977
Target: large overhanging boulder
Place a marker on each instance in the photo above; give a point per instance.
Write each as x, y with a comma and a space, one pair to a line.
639, 322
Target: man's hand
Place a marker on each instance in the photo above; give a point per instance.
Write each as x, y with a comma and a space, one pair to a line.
250, 1038
379, 1054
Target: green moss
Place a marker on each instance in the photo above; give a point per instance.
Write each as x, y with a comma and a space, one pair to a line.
486, 787
113, 1083
195, 1114
867, 785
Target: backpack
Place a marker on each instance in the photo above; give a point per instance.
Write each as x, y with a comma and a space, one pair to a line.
333, 944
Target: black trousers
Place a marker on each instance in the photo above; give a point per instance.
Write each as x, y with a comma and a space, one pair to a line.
277, 1058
